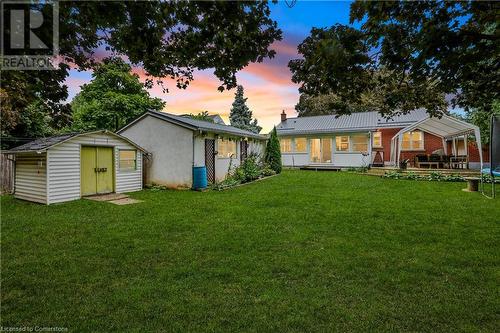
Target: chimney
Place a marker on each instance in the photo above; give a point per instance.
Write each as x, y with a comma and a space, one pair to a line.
283, 116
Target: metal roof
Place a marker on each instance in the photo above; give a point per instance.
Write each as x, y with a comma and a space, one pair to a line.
360, 121
201, 125
43, 144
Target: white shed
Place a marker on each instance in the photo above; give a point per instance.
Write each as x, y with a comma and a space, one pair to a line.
67, 167
177, 143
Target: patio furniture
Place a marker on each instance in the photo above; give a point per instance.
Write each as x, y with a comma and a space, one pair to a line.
459, 162
424, 160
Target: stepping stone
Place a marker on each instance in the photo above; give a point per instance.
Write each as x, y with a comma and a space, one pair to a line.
107, 197
124, 201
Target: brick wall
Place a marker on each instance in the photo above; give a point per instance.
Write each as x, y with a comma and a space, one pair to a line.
431, 143
474, 152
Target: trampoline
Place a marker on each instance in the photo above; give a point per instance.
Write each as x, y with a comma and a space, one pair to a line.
494, 170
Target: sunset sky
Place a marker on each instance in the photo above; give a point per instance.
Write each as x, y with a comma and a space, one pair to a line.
268, 85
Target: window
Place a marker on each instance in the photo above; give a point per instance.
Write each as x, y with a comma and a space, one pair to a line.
286, 145
300, 145
413, 141
342, 143
128, 159
359, 143
226, 148
377, 139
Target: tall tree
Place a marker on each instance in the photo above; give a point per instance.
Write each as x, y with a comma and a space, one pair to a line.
240, 115
112, 99
430, 48
273, 152
169, 39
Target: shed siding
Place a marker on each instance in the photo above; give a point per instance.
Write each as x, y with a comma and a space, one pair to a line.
31, 178
64, 167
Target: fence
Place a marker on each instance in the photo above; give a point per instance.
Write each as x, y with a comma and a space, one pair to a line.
6, 173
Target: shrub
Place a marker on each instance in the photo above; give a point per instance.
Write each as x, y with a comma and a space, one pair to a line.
434, 175
273, 152
267, 171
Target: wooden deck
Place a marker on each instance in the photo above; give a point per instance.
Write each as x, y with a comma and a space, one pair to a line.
320, 167
424, 171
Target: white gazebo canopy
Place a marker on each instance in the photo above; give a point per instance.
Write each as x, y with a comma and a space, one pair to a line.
445, 127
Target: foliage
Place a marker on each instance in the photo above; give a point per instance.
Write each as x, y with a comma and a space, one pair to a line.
273, 152
358, 169
168, 39
202, 116
23, 91
451, 50
240, 115
418, 256
432, 176
112, 99
250, 169
482, 119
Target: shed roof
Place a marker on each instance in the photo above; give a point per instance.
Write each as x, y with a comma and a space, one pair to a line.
196, 124
347, 123
42, 144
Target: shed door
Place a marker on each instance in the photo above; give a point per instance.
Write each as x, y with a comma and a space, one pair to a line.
210, 159
96, 170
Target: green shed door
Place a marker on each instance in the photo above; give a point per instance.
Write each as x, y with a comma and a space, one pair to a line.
96, 170
88, 171
105, 170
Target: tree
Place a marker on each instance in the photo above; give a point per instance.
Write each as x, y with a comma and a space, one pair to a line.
21, 91
273, 152
202, 116
240, 115
169, 39
482, 119
112, 99
429, 48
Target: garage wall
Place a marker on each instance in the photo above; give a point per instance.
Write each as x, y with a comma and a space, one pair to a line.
31, 177
171, 147
64, 167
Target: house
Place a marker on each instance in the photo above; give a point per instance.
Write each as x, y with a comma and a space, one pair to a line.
178, 143
367, 138
217, 119
67, 167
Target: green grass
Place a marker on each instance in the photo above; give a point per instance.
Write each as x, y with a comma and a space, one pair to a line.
303, 251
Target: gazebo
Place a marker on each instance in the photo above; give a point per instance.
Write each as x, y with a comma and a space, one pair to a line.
446, 127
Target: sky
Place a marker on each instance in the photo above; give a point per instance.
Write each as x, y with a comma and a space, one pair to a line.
267, 85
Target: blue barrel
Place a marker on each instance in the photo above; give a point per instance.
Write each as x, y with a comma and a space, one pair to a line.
200, 177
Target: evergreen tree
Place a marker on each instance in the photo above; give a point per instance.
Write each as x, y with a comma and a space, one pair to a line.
241, 115
273, 152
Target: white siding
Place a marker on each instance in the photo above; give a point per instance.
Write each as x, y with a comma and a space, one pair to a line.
31, 177
339, 159
172, 149
64, 167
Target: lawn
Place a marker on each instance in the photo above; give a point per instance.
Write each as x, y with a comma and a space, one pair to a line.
303, 251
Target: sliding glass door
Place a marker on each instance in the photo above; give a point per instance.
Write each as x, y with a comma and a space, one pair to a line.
321, 150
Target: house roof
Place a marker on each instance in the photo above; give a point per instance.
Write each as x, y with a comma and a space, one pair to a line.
361, 121
195, 124
42, 144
